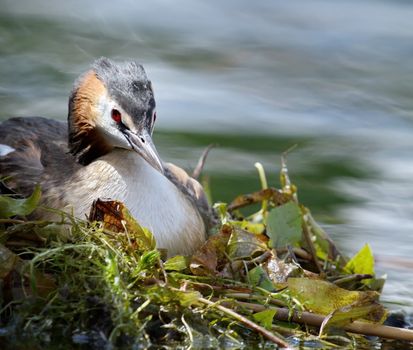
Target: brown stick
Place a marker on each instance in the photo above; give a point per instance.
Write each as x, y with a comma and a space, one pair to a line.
201, 162
299, 252
267, 334
352, 278
306, 233
308, 318
270, 193
12, 221
250, 296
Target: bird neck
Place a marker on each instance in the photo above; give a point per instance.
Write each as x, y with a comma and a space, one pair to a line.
86, 143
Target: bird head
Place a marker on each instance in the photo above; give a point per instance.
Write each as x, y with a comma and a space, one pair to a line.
112, 106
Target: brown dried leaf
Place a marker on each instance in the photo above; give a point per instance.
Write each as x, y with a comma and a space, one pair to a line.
207, 260
117, 218
108, 212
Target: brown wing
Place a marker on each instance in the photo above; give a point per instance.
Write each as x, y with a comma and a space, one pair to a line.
193, 190
40, 149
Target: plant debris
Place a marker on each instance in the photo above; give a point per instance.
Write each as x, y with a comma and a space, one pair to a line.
273, 276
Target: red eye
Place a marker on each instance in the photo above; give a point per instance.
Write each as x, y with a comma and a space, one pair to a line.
116, 116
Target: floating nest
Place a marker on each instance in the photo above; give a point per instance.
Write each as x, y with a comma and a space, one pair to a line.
271, 277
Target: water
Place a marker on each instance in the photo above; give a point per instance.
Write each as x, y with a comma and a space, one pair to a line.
333, 77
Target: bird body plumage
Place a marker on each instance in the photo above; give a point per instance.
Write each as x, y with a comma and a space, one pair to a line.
35, 150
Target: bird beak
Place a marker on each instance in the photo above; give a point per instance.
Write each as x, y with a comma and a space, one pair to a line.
142, 143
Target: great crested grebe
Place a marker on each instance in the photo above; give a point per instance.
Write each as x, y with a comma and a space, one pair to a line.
106, 151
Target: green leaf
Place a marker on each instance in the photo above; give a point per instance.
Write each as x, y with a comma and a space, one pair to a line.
258, 277
22, 207
264, 318
221, 210
344, 316
324, 297
256, 228
362, 262
149, 259
167, 296
177, 263
243, 244
284, 225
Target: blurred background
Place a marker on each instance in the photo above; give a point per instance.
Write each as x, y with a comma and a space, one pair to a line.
333, 77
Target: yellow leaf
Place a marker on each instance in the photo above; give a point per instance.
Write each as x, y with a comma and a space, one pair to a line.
362, 262
323, 297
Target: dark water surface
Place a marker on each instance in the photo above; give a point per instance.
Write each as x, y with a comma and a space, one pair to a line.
333, 77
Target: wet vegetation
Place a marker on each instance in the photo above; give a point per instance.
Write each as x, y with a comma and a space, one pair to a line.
270, 277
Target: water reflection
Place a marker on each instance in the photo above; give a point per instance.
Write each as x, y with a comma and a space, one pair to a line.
333, 77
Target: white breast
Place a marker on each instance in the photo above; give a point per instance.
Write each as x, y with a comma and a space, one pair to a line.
152, 199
